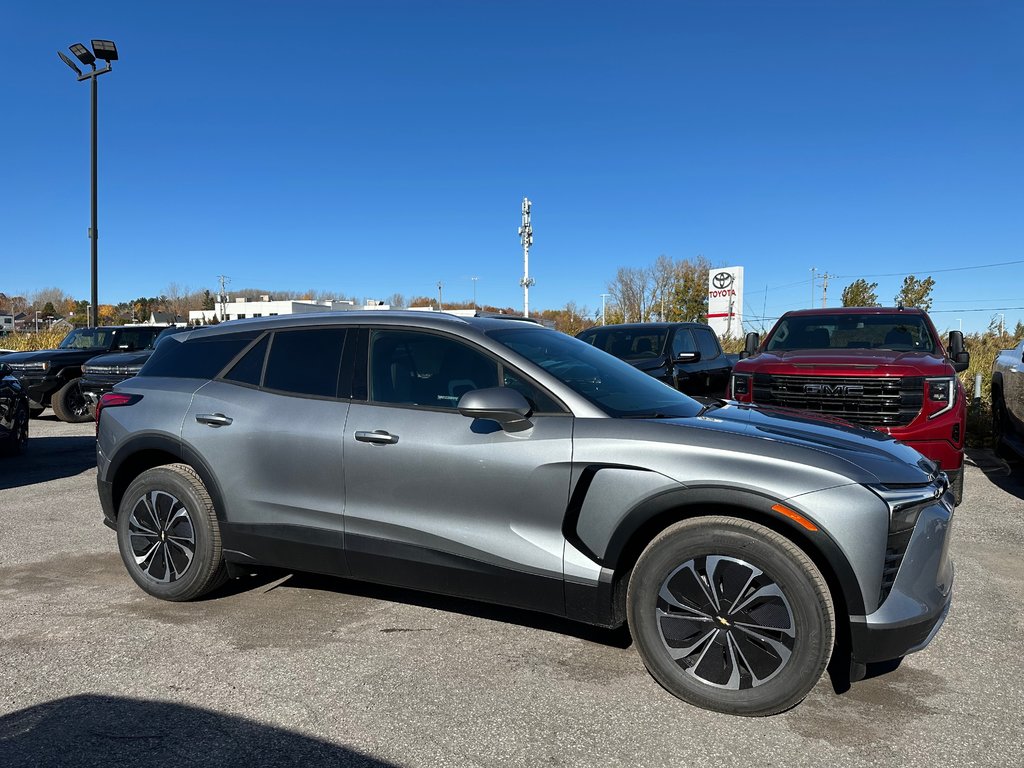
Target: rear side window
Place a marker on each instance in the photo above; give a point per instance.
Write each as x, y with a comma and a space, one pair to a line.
135, 338
249, 370
708, 345
197, 358
305, 362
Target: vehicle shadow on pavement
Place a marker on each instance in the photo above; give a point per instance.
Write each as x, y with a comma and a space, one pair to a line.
617, 638
48, 458
92, 730
1004, 472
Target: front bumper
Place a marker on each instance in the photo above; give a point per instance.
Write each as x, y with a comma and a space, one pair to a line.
921, 594
39, 386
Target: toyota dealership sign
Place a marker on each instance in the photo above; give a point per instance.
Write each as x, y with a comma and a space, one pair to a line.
725, 301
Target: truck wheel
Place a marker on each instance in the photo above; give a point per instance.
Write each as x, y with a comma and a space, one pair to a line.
998, 418
168, 535
69, 404
17, 439
730, 616
956, 483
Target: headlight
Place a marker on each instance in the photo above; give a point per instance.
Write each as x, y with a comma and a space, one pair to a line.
905, 504
740, 386
940, 393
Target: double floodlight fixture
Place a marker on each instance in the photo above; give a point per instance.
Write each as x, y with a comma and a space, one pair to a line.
104, 50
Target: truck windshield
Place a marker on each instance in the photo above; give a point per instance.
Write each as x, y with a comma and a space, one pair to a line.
628, 343
615, 387
87, 338
900, 333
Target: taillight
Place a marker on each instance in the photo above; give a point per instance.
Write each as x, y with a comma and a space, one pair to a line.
114, 400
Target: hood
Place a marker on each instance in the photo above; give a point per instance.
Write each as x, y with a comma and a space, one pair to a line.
122, 359
878, 457
647, 363
39, 356
866, 361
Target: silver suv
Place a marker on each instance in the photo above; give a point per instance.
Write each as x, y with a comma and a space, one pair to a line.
501, 461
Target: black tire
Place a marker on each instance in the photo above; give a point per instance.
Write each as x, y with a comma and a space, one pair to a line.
69, 404
16, 441
697, 647
168, 534
999, 419
956, 483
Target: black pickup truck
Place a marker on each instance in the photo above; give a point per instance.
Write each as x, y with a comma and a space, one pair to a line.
687, 356
51, 375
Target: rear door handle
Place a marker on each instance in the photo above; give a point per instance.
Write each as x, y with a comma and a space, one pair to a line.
379, 437
213, 419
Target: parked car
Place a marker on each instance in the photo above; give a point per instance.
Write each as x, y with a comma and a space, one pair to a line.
13, 413
1008, 399
503, 461
50, 376
880, 367
687, 356
101, 373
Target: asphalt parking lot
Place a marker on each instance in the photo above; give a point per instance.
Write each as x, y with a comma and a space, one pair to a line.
284, 669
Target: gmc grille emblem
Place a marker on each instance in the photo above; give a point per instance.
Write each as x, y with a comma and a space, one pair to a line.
834, 390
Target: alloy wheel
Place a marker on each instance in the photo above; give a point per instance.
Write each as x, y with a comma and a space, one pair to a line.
162, 536
725, 622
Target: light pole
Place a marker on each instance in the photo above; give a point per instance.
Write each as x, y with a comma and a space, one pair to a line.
440, 306
603, 297
474, 279
106, 51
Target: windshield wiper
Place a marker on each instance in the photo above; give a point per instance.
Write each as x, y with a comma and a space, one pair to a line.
650, 415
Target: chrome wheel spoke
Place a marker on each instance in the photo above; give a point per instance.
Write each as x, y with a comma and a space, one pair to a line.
162, 536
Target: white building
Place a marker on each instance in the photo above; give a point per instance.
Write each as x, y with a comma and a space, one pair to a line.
240, 308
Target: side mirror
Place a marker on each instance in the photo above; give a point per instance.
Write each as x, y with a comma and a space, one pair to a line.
961, 358
688, 357
501, 404
750, 345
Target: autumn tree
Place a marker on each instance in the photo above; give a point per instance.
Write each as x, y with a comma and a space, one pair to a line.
915, 293
860, 293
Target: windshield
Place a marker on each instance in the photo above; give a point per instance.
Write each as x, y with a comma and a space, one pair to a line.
615, 387
628, 343
902, 333
87, 338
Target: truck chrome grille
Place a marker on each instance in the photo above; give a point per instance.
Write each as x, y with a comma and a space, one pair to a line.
871, 401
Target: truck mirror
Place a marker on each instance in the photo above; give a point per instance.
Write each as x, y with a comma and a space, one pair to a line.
961, 357
750, 345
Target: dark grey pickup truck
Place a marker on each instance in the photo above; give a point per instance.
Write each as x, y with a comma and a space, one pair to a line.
686, 356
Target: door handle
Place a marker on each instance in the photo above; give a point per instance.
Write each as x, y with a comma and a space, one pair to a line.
378, 437
213, 419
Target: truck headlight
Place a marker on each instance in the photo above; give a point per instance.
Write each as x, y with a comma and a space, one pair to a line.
941, 393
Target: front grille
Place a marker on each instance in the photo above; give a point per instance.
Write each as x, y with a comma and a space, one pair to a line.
872, 401
894, 552
28, 367
111, 370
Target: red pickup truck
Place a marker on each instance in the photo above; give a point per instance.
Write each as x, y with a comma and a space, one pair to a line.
881, 367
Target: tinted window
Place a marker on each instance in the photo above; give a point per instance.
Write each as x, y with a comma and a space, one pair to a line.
197, 358
628, 343
539, 400
135, 338
683, 342
708, 344
305, 362
87, 338
422, 369
249, 370
616, 387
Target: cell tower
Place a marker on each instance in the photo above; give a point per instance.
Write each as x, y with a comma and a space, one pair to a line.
526, 238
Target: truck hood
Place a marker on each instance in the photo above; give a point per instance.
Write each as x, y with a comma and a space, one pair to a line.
122, 359
55, 356
871, 456
824, 362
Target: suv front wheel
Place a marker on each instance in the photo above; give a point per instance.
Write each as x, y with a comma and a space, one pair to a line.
168, 535
730, 616
69, 404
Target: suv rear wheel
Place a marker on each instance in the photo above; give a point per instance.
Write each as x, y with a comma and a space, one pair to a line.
17, 439
168, 535
730, 616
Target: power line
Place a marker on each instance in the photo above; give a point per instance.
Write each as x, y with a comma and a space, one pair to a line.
934, 271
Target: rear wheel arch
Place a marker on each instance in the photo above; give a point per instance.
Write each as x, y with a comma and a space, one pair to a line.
149, 451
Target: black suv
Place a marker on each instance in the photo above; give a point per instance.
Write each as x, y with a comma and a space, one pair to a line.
13, 413
686, 356
51, 376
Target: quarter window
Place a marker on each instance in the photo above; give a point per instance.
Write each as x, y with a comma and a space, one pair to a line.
249, 370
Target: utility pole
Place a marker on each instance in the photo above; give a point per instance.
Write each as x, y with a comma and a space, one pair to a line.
603, 297
474, 279
440, 306
825, 276
814, 271
526, 238
222, 297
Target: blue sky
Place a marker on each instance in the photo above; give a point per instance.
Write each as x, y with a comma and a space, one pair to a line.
378, 147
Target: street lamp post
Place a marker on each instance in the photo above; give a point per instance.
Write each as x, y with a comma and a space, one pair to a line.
106, 51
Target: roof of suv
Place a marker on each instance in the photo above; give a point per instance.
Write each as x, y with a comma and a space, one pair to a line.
435, 320
680, 324
856, 311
